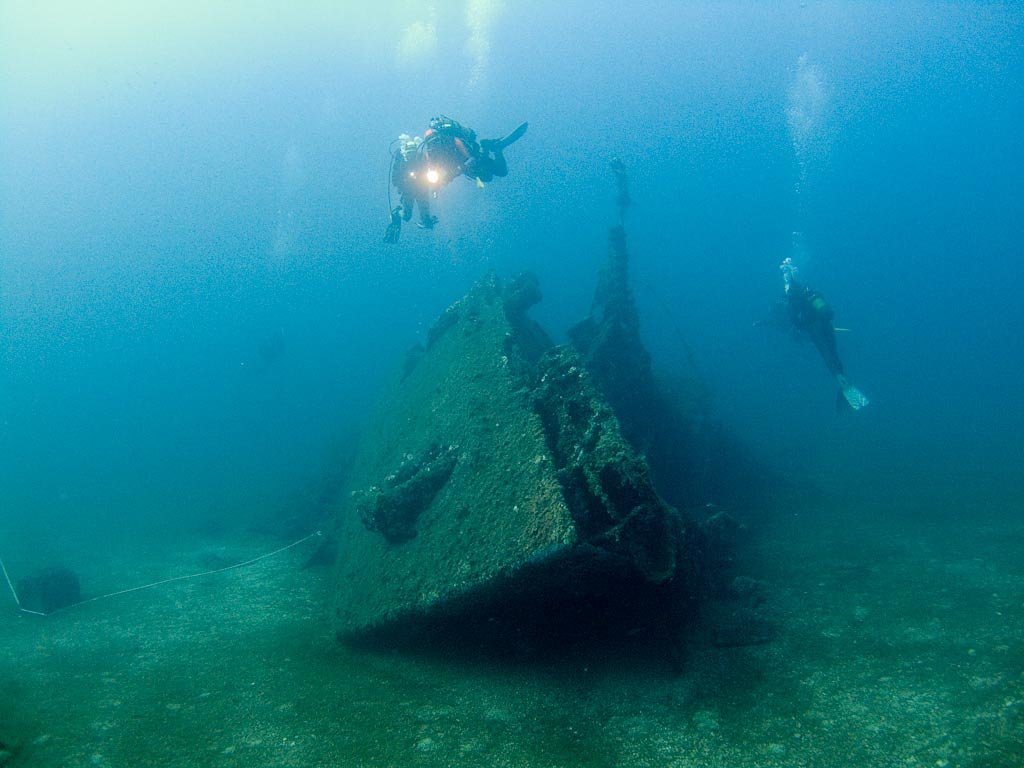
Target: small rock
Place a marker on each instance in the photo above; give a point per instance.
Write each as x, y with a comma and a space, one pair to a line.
705, 721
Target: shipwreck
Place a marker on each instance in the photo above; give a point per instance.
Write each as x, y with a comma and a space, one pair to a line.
503, 483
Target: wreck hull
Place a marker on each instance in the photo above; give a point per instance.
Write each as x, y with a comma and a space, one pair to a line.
502, 504
542, 503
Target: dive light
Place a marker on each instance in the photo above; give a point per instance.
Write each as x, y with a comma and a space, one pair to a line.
433, 176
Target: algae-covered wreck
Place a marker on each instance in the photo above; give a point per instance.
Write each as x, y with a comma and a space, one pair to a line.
496, 487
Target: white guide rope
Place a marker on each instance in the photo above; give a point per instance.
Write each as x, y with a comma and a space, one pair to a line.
13, 592
155, 583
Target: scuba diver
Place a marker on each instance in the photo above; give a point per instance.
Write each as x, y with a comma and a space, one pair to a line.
810, 315
408, 175
447, 150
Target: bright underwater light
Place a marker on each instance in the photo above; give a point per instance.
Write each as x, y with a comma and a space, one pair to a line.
433, 175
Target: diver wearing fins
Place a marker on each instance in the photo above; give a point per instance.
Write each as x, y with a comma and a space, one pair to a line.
421, 166
408, 172
810, 315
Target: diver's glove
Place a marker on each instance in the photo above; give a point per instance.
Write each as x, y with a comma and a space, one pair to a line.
395, 227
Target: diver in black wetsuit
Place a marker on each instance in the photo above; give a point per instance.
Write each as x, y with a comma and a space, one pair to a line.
409, 177
453, 150
420, 167
810, 315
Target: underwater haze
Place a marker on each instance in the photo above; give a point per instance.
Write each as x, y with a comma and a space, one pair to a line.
198, 311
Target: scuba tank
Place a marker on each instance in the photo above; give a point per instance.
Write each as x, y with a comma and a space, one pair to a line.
445, 125
409, 146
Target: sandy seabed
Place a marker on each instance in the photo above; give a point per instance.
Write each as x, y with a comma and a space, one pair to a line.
900, 643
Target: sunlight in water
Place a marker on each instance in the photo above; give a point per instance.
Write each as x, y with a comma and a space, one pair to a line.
418, 41
481, 16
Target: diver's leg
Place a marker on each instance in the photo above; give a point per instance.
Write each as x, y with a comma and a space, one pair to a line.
394, 229
825, 341
426, 220
490, 162
498, 166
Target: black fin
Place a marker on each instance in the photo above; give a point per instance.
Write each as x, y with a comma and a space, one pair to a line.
394, 230
513, 137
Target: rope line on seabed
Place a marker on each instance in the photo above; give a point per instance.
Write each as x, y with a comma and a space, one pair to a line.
155, 583
14, 592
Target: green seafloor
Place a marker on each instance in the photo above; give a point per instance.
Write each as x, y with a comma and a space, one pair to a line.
900, 642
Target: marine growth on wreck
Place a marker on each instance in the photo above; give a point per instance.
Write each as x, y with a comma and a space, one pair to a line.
506, 479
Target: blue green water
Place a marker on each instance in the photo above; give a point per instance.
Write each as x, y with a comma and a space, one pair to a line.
197, 311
